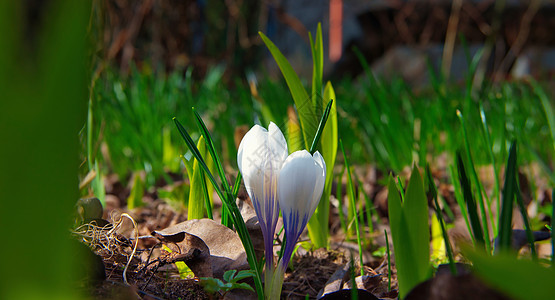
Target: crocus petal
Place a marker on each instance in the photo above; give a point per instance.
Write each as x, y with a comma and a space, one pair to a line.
250, 159
277, 145
300, 186
320, 181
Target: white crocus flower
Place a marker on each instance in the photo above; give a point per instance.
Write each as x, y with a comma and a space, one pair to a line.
300, 186
260, 157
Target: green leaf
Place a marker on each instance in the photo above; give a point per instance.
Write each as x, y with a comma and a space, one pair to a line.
480, 200
242, 275
547, 108
97, 185
321, 127
416, 211
307, 115
410, 232
228, 275
519, 278
294, 134
196, 193
433, 192
317, 49
242, 285
184, 270
135, 198
351, 191
470, 203
507, 203
212, 285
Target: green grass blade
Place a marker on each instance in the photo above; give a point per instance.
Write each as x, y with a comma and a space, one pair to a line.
191, 145
509, 188
197, 195
496, 188
212, 150
99, 190
321, 127
478, 184
237, 185
317, 49
433, 193
527, 227
351, 192
401, 188
417, 204
472, 210
339, 197
388, 261
547, 108
307, 116
410, 232
368, 205
294, 132
207, 202
460, 200
135, 198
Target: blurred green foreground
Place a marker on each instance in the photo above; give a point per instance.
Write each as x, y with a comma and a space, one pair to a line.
43, 96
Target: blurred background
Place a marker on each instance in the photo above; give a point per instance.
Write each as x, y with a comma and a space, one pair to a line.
396, 37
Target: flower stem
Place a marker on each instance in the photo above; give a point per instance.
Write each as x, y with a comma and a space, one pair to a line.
273, 291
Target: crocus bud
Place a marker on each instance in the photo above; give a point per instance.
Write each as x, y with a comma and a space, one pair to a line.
300, 186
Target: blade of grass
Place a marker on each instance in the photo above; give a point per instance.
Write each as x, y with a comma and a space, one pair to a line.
212, 150
388, 261
339, 197
195, 206
494, 166
226, 218
237, 185
207, 202
547, 108
317, 48
460, 200
135, 198
368, 206
505, 219
416, 211
480, 190
433, 192
354, 290
351, 192
321, 126
401, 188
410, 232
470, 203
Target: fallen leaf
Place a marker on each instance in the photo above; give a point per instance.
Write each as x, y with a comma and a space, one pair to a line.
225, 247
